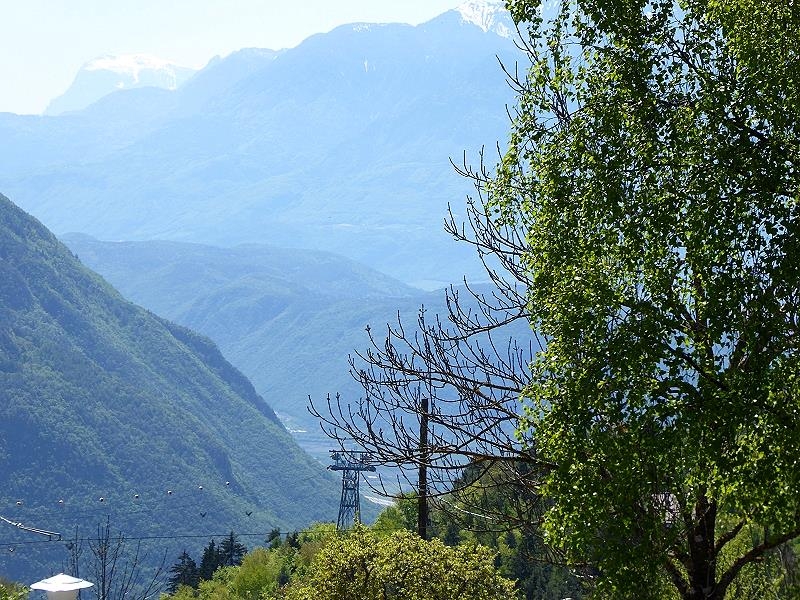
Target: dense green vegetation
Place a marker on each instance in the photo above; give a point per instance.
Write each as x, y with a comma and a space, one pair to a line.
186, 572
653, 172
401, 565
650, 197
12, 591
106, 409
337, 565
361, 563
520, 553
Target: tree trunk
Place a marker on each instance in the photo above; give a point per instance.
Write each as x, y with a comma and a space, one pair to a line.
702, 565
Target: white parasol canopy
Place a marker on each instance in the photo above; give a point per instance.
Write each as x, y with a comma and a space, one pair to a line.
61, 583
61, 587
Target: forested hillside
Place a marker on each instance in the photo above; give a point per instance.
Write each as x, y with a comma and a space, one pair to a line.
107, 410
287, 318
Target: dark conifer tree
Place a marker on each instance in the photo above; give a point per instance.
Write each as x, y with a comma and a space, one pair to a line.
232, 550
293, 539
274, 538
211, 560
183, 572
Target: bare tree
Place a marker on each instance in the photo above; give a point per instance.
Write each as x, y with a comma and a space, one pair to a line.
75, 551
445, 392
118, 572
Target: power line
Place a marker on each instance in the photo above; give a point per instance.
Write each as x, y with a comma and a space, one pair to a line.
144, 500
19, 525
174, 537
130, 504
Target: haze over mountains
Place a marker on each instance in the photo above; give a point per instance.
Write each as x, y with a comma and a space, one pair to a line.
287, 318
107, 74
107, 409
342, 143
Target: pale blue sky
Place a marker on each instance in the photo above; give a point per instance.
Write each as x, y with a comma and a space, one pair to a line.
43, 43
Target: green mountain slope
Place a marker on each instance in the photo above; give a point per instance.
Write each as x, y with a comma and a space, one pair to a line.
102, 399
287, 318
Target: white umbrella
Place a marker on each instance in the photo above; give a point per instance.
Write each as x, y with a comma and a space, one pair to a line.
61, 586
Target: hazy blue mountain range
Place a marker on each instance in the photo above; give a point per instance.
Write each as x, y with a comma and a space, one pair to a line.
100, 398
287, 318
342, 143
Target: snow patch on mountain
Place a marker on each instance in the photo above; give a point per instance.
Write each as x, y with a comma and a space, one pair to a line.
132, 65
489, 15
106, 74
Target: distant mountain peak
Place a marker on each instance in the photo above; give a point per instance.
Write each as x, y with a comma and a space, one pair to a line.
489, 15
109, 73
133, 64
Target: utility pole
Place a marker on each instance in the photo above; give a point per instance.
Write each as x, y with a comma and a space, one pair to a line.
350, 463
422, 484
425, 400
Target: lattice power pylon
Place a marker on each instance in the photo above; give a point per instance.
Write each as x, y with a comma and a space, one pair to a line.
350, 463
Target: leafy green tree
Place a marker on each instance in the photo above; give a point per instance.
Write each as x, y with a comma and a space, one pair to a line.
183, 572
274, 538
494, 512
491, 512
12, 591
262, 572
400, 516
309, 543
219, 587
367, 565
653, 168
183, 592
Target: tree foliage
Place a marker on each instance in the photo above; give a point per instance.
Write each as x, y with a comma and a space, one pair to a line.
323, 563
653, 167
229, 552
481, 512
12, 591
232, 550
211, 560
402, 565
644, 218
